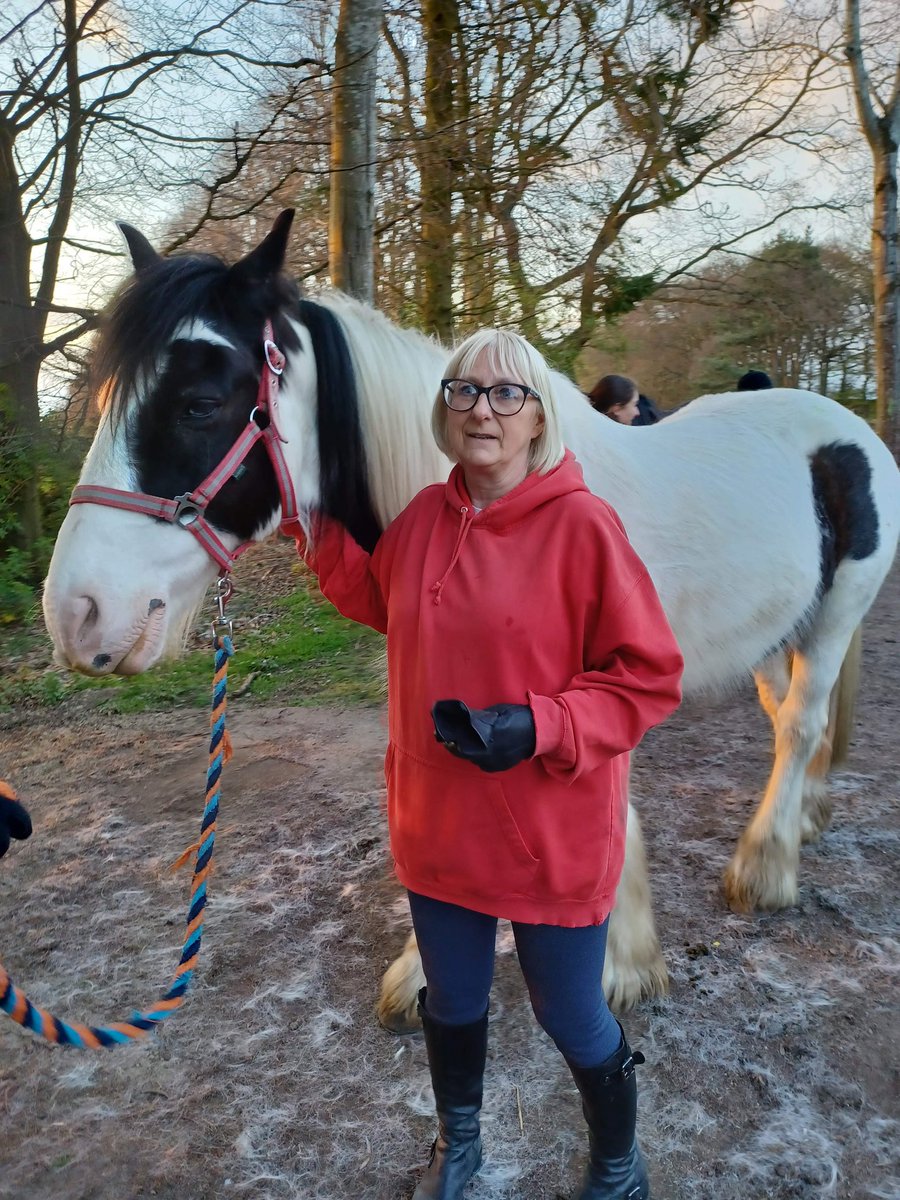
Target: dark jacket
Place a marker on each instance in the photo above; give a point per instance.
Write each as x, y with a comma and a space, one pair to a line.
648, 413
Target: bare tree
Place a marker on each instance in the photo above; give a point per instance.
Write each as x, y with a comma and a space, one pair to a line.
353, 148
565, 126
879, 117
101, 103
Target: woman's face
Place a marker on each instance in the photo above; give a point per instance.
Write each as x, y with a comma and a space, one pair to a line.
487, 444
625, 413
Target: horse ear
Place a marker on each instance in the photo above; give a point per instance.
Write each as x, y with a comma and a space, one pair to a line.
267, 259
142, 253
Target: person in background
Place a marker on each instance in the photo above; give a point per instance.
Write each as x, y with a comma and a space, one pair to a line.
619, 397
648, 413
754, 381
514, 698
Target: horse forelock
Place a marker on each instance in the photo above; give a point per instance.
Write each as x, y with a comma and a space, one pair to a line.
144, 318
182, 296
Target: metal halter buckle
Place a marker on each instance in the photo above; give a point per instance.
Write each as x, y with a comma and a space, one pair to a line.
187, 510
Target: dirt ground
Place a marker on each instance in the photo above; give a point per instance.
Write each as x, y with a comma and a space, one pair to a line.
772, 1069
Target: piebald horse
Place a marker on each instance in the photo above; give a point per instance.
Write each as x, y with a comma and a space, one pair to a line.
767, 521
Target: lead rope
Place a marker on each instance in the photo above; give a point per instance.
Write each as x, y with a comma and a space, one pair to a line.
17, 1005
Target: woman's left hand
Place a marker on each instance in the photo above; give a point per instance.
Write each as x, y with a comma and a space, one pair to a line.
494, 738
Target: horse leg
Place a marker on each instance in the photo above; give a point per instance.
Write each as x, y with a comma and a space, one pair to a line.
397, 1008
763, 872
833, 748
773, 679
634, 969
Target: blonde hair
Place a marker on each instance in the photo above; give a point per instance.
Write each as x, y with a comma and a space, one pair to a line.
516, 361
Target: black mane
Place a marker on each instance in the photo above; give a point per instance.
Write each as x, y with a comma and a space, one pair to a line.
343, 469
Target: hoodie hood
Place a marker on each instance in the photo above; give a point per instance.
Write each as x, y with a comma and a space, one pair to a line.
534, 491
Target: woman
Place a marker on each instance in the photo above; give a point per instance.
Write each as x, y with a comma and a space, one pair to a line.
617, 397
527, 654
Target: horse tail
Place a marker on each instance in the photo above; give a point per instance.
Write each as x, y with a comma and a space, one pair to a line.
842, 708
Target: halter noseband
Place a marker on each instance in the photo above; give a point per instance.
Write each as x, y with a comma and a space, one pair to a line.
189, 510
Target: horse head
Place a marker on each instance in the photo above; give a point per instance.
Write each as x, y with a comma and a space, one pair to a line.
180, 371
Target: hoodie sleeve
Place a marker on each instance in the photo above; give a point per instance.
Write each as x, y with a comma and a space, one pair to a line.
632, 681
347, 575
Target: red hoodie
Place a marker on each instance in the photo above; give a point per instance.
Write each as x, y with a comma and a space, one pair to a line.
538, 599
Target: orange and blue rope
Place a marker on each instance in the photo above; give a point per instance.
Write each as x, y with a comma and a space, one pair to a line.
17, 1005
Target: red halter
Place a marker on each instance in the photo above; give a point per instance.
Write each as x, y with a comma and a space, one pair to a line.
189, 510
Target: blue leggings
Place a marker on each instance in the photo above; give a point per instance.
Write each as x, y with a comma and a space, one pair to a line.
562, 969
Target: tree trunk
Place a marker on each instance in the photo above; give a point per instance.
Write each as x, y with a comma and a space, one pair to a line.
21, 332
886, 276
352, 210
882, 132
437, 164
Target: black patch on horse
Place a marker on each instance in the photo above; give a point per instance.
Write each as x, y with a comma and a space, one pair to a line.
845, 507
343, 470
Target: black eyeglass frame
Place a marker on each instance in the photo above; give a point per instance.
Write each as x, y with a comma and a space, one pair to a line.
486, 392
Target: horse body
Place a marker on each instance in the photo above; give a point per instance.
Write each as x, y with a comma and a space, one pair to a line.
767, 521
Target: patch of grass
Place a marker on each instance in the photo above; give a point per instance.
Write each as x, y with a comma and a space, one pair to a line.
303, 653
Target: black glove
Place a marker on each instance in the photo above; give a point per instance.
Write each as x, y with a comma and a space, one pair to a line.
494, 738
14, 819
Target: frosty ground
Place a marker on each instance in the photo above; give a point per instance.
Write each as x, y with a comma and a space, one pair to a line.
772, 1069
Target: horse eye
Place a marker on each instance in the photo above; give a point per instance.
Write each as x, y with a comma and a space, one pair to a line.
200, 408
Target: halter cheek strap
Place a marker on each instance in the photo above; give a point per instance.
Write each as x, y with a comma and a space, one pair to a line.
189, 510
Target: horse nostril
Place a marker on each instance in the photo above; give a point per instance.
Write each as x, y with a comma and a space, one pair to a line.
101, 660
154, 604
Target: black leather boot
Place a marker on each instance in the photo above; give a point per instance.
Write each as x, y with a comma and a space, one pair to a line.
456, 1056
616, 1169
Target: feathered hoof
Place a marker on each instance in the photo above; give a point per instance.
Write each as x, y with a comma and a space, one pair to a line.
816, 815
397, 1008
628, 984
397, 1021
762, 877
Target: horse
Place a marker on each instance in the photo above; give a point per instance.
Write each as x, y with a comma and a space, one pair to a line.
768, 522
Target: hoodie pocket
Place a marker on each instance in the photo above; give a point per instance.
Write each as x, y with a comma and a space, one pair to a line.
451, 824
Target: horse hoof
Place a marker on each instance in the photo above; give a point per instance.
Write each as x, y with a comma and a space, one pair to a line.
627, 987
760, 882
406, 1021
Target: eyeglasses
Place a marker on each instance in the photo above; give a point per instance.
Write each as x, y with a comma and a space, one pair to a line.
505, 399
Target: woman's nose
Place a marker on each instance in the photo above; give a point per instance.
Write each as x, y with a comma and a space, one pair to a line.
482, 408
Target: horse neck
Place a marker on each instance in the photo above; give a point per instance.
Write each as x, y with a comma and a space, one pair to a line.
398, 374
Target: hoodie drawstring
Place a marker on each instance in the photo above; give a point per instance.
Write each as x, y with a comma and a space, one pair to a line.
464, 527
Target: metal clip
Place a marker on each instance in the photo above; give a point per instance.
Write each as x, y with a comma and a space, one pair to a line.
224, 592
